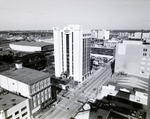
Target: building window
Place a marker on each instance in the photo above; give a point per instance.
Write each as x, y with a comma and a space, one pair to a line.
16, 112
34, 98
67, 53
33, 88
142, 62
48, 81
49, 92
37, 86
142, 67
38, 99
24, 114
45, 82
145, 50
42, 96
143, 58
34, 104
144, 54
46, 94
142, 72
10, 117
24, 108
41, 84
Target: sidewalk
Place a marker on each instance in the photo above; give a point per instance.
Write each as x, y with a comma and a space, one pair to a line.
46, 112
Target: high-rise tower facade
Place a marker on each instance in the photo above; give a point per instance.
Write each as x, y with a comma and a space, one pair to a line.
72, 52
133, 57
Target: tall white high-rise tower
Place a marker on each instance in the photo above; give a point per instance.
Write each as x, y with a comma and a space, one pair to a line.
72, 52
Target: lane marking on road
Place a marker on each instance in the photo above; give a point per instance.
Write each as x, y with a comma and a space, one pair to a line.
62, 105
62, 108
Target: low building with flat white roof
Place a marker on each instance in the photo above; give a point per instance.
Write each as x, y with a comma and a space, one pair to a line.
13, 106
125, 88
25, 46
100, 34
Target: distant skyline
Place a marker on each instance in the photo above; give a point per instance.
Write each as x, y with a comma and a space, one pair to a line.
90, 14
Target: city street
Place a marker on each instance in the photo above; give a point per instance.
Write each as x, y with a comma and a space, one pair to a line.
67, 107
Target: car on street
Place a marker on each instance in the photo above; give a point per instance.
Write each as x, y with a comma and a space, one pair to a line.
91, 100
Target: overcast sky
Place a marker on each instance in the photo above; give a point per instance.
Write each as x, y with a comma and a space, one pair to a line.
91, 14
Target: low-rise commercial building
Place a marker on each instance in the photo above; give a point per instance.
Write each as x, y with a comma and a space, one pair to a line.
111, 43
127, 92
30, 83
25, 46
13, 106
100, 34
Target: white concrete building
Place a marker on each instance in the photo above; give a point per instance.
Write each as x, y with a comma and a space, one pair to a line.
72, 52
14, 107
133, 57
25, 46
127, 92
111, 43
30, 83
100, 34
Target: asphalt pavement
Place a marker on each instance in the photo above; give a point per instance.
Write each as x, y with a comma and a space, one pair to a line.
67, 107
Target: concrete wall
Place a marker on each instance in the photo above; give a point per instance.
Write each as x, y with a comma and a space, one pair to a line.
24, 89
127, 58
130, 59
3, 82
108, 90
14, 85
18, 108
78, 46
57, 51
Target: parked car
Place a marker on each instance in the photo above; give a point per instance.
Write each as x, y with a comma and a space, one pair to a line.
91, 100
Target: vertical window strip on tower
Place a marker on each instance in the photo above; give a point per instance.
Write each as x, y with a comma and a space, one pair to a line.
67, 51
72, 56
62, 51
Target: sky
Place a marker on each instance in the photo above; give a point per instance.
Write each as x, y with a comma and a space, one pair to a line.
90, 14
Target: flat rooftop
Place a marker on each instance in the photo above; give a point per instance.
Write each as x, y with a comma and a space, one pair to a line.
26, 43
133, 81
26, 75
9, 100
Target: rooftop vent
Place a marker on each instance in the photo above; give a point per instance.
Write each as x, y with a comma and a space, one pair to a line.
14, 104
13, 100
18, 64
4, 104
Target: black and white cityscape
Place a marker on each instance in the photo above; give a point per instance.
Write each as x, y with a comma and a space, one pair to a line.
75, 59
